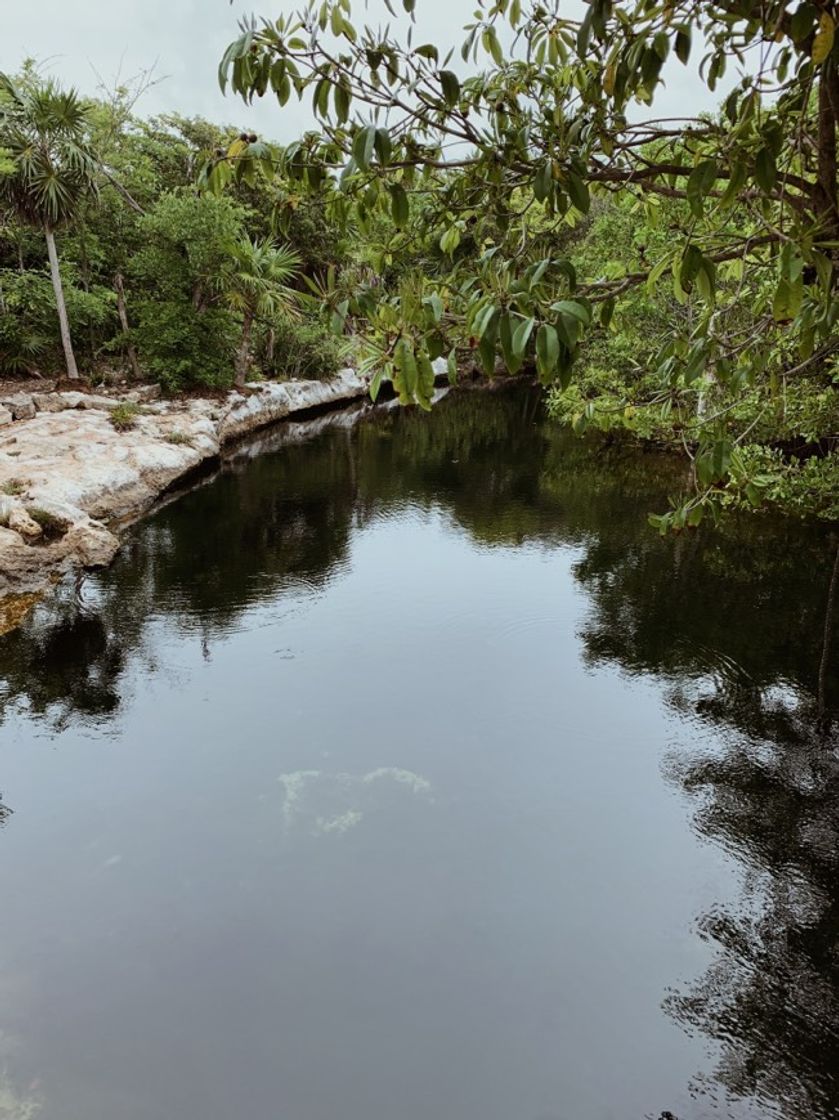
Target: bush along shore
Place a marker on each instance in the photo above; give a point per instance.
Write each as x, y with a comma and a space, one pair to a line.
75, 465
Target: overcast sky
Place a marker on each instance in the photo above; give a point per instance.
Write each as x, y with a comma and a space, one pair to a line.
184, 39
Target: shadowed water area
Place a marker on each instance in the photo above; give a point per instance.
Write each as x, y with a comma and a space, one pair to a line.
400, 772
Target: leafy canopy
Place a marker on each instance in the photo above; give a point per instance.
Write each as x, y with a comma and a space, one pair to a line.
43, 135
497, 155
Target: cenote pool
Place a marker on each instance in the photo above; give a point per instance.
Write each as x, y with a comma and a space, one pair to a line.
401, 772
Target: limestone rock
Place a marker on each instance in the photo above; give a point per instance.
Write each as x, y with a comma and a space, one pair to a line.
143, 393
62, 515
50, 402
5, 416
93, 544
84, 474
75, 399
21, 406
72, 398
20, 521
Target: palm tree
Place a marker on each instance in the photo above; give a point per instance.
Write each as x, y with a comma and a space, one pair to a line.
258, 288
42, 132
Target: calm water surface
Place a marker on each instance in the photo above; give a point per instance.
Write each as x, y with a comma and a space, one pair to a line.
400, 772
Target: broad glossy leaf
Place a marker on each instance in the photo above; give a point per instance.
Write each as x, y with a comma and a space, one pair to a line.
823, 40
547, 351
363, 144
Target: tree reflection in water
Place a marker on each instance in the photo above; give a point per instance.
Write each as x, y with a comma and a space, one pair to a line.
732, 622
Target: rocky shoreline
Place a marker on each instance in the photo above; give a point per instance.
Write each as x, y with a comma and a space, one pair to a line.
69, 476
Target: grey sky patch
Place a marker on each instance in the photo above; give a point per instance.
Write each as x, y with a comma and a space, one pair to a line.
80, 40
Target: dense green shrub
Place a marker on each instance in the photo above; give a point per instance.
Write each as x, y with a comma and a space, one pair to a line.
302, 348
28, 330
181, 346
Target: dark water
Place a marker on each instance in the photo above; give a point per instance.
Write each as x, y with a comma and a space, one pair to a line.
403, 773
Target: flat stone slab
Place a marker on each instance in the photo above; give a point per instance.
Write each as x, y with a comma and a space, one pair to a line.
67, 471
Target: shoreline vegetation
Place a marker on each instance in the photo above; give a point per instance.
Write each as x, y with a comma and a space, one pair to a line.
673, 280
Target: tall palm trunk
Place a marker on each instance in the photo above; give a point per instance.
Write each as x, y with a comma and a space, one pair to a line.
243, 355
66, 342
131, 350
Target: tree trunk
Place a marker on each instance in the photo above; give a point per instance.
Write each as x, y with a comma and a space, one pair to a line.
243, 355
130, 349
66, 342
269, 350
824, 201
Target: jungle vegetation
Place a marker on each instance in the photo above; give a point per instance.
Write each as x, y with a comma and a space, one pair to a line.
528, 203
112, 262
675, 276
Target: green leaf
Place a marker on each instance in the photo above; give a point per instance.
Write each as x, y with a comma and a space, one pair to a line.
376, 383
691, 263
436, 305
697, 359
450, 240
547, 351
339, 316
342, 103
801, 23
706, 280
405, 379
543, 181
483, 320
363, 144
737, 177
575, 308
505, 337
521, 336
382, 145
320, 98
584, 32
490, 43
658, 271
578, 192
824, 270
823, 40
661, 45
451, 87
425, 381
766, 173
787, 300
486, 346
700, 181
451, 364
399, 205
682, 45
713, 461
428, 50
568, 329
